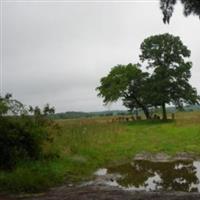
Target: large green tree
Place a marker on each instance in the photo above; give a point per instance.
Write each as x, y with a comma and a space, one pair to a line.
190, 7
126, 82
168, 57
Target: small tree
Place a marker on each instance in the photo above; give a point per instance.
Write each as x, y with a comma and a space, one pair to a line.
128, 83
14, 106
166, 55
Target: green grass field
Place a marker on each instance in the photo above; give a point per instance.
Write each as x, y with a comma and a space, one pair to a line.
83, 145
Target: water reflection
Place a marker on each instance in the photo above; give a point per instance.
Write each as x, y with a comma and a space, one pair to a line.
153, 176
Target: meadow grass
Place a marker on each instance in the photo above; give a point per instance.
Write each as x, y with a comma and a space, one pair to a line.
84, 145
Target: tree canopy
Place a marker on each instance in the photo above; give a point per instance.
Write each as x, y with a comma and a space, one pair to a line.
126, 82
190, 7
166, 83
167, 56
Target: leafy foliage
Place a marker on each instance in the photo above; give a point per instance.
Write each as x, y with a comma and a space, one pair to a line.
190, 7
126, 82
21, 135
166, 55
167, 82
7, 104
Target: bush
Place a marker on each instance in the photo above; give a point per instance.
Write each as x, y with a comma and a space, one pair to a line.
22, 135
21, 138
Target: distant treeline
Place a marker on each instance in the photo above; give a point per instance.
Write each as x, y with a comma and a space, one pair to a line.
74, 114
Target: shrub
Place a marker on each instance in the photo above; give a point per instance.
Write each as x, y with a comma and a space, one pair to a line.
20, 138
21, 135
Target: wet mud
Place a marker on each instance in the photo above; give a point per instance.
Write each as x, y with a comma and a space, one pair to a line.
152, 177
110, 193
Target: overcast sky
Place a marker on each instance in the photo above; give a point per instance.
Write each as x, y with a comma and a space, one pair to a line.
56, 52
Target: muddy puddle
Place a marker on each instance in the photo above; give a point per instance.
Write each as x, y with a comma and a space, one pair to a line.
145, 175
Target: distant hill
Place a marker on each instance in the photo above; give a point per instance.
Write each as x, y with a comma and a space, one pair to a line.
188, 108
74, 114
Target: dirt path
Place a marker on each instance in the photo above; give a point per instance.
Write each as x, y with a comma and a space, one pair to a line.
99, 191
3, 197
106, 193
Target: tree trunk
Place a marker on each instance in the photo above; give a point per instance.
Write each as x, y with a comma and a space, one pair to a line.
146, 111
144, 108
164, 112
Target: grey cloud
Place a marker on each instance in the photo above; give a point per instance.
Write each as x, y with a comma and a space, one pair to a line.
57, 53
